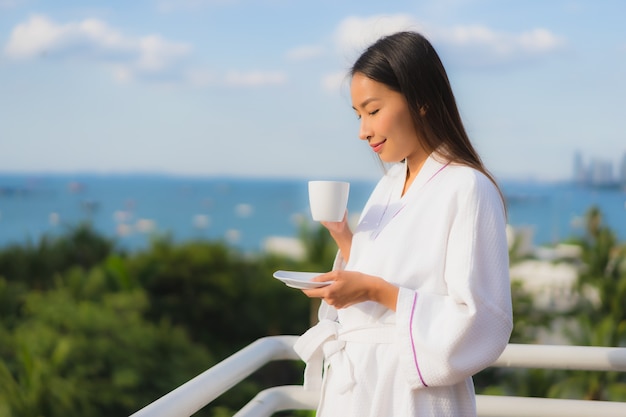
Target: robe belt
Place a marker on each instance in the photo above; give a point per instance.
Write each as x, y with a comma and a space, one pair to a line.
323, 345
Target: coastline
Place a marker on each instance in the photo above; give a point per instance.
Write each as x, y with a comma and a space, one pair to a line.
246, 212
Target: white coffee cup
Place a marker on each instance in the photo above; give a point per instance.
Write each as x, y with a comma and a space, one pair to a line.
328, 200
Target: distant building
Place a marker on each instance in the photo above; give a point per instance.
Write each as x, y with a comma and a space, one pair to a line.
601, 173
622, 171
580, 174
598, 173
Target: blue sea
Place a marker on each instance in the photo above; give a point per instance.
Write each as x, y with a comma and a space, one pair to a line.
244, 212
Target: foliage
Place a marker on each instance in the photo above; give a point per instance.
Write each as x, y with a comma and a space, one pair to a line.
599, 319
90, 330
83, 350
320, 248
225, 299
82, 320
35, 265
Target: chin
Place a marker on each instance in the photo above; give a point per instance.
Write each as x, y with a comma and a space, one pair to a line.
389, 160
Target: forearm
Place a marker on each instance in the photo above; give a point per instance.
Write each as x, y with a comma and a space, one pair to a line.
344, 242
384, 293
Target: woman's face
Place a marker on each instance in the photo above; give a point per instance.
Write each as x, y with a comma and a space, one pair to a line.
386, 122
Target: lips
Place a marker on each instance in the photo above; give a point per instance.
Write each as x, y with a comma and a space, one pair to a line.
377, 146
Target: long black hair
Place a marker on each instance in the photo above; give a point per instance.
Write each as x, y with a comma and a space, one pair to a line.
406, 62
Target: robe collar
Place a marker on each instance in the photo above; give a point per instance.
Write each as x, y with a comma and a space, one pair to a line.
396, 201
431, 167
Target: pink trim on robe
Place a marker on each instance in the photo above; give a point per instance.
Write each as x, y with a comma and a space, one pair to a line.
412, 342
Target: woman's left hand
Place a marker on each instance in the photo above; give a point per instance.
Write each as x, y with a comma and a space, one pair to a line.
351, 287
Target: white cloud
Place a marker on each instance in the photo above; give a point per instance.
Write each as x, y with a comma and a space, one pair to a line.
332, 83
156, 53
305, 52
255, 78
167, 6
540, 41
149, 57
355, 33
8, 4
203, 77
93, 39
200, 77
480, 46
465, 45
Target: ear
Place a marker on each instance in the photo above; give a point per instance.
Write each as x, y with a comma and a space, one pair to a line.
423, 110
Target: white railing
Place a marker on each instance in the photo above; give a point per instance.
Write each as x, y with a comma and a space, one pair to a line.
204, 388
190, 397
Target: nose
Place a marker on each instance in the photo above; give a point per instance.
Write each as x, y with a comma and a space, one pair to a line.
365, 132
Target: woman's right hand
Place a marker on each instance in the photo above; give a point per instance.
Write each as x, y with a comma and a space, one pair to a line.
341, 233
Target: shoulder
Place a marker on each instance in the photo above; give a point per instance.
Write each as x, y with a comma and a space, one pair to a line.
470, 184
467, 176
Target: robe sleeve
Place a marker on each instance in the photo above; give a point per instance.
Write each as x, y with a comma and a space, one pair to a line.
446, 338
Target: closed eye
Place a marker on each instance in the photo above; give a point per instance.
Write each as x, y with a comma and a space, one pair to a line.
372, 113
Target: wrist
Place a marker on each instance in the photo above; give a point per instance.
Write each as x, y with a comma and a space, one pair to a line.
384, 293
341, 234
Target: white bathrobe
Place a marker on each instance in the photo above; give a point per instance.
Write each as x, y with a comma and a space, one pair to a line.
444, 245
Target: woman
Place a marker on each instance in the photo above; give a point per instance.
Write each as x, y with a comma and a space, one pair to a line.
420, 299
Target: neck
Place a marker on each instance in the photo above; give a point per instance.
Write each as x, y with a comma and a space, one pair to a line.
413, 167
415, 163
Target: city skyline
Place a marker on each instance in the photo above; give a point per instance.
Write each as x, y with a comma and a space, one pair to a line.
599, 171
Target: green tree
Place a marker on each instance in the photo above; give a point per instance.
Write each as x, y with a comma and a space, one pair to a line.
225, 299
34, 264
601, 313
221, 298
82, 350
599, 319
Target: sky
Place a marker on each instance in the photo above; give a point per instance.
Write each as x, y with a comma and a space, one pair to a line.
258, 88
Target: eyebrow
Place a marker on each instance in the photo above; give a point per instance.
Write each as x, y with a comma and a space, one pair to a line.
366, 102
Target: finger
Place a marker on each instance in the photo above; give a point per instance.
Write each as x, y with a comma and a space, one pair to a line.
314, 293
323, 277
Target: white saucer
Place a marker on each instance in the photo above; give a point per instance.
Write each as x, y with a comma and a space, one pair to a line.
300, 280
